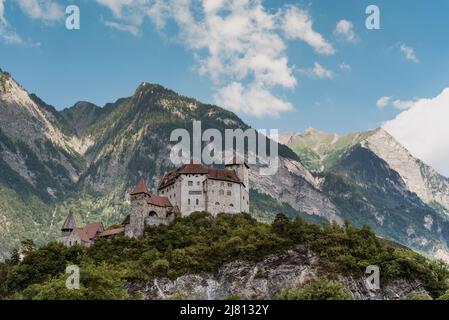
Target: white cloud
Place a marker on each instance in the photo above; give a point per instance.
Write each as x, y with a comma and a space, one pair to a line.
383, 102
2, 11
344, 66
237, 43
403, 104
319, 72
6, 32
398, 104
409, 53
297, 24
252, 99
45, 10
122, 27
345, 30
423, 129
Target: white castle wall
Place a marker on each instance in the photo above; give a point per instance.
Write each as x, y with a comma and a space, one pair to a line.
191, 193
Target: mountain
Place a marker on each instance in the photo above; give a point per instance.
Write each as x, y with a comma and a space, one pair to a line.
374, 180
86, 159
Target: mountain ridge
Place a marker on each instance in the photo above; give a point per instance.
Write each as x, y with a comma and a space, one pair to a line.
113, 148
85, 159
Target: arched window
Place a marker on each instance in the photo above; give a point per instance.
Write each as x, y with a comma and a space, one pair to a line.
153, 214
217, 203
231, 205
197, 202
188, 201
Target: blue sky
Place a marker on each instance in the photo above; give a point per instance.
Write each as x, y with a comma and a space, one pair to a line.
317, 77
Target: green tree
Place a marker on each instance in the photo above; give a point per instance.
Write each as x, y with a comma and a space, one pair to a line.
97, 282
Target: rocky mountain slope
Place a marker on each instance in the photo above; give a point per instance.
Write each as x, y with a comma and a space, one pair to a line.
375, 180
263, 281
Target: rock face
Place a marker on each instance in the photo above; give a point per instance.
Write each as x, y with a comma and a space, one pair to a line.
395, 290
419, 178
260, 281
373, 180
293, 184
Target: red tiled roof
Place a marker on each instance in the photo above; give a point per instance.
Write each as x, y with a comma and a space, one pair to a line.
112, 232
160, 201
212, 173
140, 188
223, 174
90, 231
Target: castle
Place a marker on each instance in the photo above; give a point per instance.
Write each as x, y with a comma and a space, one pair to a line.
71, 235
189, 188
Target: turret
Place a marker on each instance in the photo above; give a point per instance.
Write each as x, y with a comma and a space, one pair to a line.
140, 197
241, 168
68, 226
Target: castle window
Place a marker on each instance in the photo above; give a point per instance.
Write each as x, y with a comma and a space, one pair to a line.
229, 184
193, 192
190, 183
188, 202
217, 203
197, 202
221, 192
229, 193
231, 205
197, 183
152, 214
243, 197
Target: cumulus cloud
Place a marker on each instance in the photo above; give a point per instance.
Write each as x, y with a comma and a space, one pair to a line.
409, 53
318, 71
423, 130
297, 24
239, 44
384, 102
403, 104
252, 99
45, 10
345, 30
7, 34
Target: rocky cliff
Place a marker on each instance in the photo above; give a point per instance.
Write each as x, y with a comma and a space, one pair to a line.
263, 280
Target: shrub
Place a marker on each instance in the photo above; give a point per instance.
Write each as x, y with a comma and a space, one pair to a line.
317, 289
418, 296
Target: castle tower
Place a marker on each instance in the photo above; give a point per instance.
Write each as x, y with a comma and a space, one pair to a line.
241, 168
140, 197
68, 226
